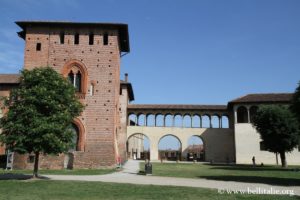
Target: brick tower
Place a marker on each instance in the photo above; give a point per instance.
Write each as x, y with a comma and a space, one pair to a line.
89, 55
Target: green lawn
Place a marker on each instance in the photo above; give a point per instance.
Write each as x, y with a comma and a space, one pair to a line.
244, 173
62, 172
72, 190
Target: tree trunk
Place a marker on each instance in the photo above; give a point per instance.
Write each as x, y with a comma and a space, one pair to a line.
36, 165
276, 158
283, 160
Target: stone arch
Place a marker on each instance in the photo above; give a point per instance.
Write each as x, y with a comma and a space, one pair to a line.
225, 121
132, 119
168, 118
177, 120
215, 121
242, 115
138, 146
141, 119
159, 120
81, 136
195, 149
206, 121
196, 121
150, 119
187, 121
76, 66
169, 153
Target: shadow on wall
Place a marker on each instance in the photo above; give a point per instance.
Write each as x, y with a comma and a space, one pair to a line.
218, 144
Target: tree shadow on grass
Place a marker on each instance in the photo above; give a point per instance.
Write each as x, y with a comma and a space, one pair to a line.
256, 179
13, 176
251, 168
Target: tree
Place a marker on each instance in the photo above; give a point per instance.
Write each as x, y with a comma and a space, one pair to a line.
295, 107
278, 129
40, 112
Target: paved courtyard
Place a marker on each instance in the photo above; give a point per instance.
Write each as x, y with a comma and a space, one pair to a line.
129, 174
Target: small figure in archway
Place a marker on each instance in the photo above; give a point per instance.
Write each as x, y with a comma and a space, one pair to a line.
253, 161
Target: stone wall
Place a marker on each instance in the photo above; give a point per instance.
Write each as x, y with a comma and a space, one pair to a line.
218, 142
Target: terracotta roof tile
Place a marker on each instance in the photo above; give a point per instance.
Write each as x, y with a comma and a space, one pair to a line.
176, 107
264, 98
9, 78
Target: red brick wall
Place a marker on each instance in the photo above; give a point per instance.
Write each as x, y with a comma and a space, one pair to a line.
101, 116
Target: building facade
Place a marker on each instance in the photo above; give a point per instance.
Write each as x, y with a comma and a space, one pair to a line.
88, 54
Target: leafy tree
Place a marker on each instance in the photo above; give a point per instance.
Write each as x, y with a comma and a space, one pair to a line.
295, 107
40, 112
278, 129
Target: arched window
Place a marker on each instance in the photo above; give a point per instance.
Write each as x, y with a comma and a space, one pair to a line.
77, 83
132, 120
75, 80
159, 120
187, 121
206, 121
196, 121
168, 120
242, 115
150, 120
225, 121
71, 77
215, 121
178, 120
75, 138
76, 73
141, 120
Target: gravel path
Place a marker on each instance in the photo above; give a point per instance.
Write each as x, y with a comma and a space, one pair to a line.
131, 168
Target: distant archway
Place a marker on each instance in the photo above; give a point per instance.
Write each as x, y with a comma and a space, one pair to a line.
168, 120
169, 148
187, 121
196, 121
141, 120
138, 147
206, 121
150, 120
195, 149
178, 120
132, 120
159, 120
242, 115
225, 121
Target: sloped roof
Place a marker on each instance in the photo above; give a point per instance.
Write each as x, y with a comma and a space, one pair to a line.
9, 78
264, 98
129, 88
177, 107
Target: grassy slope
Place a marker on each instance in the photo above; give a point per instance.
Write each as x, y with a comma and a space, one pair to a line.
67, 190
244, 173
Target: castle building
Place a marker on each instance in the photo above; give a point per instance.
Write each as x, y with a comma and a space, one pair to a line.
110, 130
89, 55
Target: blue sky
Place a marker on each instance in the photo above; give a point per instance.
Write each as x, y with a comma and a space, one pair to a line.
182, 52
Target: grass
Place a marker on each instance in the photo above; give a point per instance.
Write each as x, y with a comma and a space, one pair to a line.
72, 190
274, 175
61, 172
